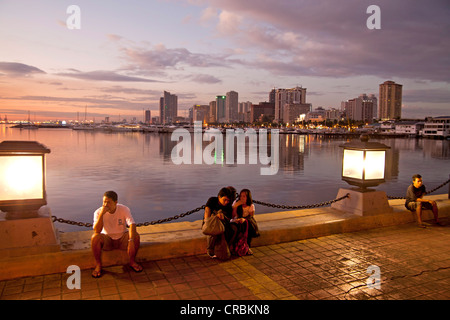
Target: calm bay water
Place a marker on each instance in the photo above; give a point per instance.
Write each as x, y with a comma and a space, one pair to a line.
82, 165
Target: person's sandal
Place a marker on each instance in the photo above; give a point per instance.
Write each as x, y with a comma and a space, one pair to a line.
136, 268
97, 273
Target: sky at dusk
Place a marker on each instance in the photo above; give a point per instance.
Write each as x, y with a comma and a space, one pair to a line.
126, 53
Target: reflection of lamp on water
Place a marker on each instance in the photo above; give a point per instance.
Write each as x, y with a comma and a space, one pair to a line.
25, 229
363, 165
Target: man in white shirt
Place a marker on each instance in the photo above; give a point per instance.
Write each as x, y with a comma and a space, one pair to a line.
111, 232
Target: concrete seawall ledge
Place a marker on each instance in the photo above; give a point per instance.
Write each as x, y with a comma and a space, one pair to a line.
180, 239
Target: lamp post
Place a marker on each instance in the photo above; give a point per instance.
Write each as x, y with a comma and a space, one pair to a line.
24, 229
363, 163
22, 187
363, 166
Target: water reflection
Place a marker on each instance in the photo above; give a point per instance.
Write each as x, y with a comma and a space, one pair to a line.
84, 164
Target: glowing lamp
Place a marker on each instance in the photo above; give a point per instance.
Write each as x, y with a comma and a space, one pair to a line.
22, 172
363, 163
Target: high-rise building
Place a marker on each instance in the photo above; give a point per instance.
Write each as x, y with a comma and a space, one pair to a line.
264, 111
161, 110
292, 111
361, 108
390, 101
374, 100
244, 111
200, 113
231, 107
212, 111
148, 117
295, 95
191, 114
244, 107
344, 106
168, 108
220, 108
272, 95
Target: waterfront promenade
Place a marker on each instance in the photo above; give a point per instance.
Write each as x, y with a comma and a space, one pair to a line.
329, 259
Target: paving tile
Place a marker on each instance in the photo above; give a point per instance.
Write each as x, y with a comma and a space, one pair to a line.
414, 264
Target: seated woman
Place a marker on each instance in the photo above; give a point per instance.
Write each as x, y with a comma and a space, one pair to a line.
219, 206
243, 217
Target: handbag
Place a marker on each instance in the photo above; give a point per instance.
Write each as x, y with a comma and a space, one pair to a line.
253, 228
213, 226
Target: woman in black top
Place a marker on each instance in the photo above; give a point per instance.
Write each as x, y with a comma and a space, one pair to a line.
220, 206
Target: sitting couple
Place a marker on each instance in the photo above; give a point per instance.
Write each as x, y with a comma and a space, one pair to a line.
238, 220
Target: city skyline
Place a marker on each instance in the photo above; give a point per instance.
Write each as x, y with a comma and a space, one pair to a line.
123, 55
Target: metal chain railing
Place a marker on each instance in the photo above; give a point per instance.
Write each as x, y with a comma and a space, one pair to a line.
282, 206
171, 218
89, 225
279, 206
431, 191
71, 222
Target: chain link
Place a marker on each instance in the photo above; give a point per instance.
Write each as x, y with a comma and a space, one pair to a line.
89, 225
71, 222
282, 206
279, 206
171, 218
431, 191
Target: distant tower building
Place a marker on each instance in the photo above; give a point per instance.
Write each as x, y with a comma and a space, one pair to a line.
292, 111
168, 107
390, 103
272, 95
244, 111
361, 108
148, 117
212, 111
264, 112
220, 108
231, 107
295, 95
201, 113
161, 110
191, 114
374, 100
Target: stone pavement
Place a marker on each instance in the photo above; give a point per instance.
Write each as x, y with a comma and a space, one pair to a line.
414, 263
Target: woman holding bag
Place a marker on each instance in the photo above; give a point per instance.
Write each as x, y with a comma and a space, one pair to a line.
220, 207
